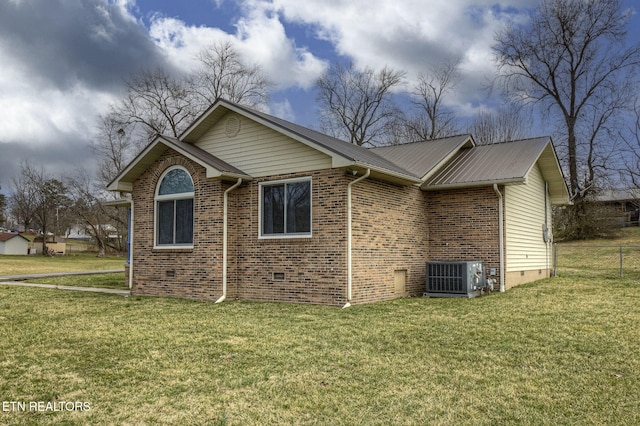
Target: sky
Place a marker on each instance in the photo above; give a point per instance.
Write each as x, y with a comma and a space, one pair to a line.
63, 62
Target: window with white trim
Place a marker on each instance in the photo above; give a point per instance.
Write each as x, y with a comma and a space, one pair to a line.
285, 208
174, 209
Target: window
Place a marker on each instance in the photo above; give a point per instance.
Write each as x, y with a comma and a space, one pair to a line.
174, 209
285, 208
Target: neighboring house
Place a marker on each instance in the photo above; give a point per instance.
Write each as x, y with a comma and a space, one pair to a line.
14, 244
248, 206
78, 232
625, 203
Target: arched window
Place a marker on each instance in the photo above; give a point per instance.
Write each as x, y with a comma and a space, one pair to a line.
174, 209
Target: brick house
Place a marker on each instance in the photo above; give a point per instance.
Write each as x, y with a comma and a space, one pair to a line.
248, 206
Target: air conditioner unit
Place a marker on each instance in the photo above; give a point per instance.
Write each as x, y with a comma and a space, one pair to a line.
455, 279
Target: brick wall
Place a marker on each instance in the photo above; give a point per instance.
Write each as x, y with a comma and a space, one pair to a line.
390, 233
314, 268
395, 228
463, 225
190, 273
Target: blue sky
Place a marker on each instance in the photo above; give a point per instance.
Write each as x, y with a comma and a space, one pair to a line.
65, 61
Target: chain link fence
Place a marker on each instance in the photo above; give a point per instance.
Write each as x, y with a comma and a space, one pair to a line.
597, 260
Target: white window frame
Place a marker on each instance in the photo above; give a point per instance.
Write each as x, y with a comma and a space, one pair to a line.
285, 235
171, 197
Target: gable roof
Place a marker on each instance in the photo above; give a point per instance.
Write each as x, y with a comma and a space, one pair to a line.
502, 163
214, 166
422, 158
451, 162
342, 153
6, 236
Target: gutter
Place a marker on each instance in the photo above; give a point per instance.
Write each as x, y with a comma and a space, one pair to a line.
224, 239
349, 238
501, 235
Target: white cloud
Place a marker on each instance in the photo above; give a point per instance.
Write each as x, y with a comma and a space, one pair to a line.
409, 34
181, 42
260, 38
282, 109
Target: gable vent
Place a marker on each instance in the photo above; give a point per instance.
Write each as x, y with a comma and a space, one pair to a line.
232, 126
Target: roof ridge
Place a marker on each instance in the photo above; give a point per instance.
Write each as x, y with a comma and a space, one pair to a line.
423, 141
517, 140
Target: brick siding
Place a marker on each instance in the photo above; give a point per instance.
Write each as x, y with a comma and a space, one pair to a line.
390, 233
395, 228
314, 268
190, 273
463, 225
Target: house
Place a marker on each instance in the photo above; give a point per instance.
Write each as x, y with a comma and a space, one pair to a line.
625, 204
14, 244
244, 205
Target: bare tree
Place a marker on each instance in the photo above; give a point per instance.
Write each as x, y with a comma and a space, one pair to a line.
629, 172
501, 125
571, 60
22, 201
49, 197
114, 148
433, 119
3, 207
357, 105
156, 102
224, 74
90, 212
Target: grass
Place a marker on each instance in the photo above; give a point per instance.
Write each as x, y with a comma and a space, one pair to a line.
12, 265
601, 258
558, 351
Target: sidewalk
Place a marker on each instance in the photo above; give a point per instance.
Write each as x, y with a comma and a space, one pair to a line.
23, 277
17, 281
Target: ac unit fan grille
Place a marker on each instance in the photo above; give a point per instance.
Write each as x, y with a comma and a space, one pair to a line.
446, 277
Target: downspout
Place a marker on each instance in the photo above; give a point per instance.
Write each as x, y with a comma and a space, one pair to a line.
131, 216
224, 238
500, 234
548, 241
349, 266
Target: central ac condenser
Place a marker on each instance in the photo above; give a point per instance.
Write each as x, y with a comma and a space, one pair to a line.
455, 279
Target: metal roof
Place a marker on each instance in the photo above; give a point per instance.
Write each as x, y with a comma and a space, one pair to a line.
626, 194
443, 163
354, 155
214, 166
420, 158
490, 163
502, 163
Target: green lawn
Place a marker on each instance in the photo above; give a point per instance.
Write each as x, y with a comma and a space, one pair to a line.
601, 258
12, 265
560, 351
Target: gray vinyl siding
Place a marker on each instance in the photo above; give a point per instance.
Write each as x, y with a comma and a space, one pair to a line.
524, 219
260, 151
